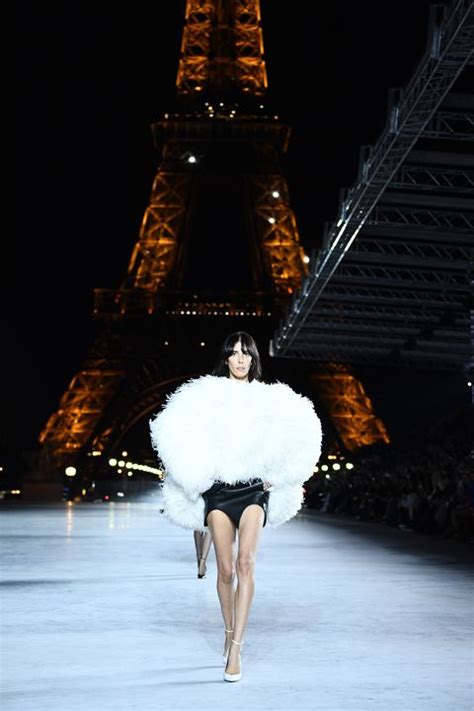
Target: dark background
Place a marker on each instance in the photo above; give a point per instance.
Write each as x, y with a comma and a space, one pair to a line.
90, 79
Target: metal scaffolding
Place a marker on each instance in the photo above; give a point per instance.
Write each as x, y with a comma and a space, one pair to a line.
392, 283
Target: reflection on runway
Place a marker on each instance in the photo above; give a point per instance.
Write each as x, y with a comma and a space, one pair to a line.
102, 610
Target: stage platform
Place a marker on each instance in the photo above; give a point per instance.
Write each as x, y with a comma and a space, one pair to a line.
102, 611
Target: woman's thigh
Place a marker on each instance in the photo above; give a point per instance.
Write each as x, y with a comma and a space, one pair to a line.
250, 528
223, 537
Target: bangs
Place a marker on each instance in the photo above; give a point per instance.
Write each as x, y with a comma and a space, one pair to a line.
233, 339
248, 346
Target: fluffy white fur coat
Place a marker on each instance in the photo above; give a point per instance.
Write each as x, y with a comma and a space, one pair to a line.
217, 428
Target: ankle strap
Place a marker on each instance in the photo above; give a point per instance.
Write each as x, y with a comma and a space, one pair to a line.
239, 643
226, 630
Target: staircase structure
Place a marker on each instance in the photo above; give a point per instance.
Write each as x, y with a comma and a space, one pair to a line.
392, 284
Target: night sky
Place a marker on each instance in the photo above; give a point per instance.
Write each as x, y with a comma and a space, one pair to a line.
90, 79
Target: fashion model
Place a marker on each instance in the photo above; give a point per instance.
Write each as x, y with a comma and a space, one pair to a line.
237, 452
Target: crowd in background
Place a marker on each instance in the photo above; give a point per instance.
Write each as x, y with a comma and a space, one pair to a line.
425, 485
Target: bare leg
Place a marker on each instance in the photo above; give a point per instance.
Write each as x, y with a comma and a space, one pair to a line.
250, 528
223, 535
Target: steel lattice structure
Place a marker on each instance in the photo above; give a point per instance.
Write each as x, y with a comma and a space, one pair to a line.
392, 283
222, 49
207, 139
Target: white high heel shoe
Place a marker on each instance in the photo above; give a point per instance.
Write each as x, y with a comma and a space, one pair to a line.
226, 654
238, 676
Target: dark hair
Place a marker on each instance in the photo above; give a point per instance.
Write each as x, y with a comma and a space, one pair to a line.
248, 346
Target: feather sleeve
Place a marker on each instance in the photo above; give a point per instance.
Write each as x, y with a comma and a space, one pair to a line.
284, 502
292, 440
182, 435
180, 509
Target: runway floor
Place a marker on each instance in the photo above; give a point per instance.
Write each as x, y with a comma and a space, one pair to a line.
101, 610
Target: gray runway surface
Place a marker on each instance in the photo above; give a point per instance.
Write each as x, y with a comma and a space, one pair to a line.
101, 610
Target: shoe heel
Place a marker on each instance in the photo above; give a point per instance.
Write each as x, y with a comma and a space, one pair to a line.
238, 676
224, 656
234, 677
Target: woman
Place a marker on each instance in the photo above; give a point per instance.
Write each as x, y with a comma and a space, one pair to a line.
237, 452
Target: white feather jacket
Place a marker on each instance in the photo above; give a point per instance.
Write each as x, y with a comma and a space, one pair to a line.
217, 428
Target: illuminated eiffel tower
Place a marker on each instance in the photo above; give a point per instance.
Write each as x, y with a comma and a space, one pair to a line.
218, 250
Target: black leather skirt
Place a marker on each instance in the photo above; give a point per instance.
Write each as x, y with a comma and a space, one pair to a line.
233, 499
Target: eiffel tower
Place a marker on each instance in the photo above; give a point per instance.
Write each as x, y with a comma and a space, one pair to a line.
218, 250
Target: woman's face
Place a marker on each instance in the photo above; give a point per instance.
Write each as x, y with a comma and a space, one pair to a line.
239, 363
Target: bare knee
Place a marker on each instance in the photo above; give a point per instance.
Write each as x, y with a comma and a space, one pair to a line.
245, 566
225, 573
